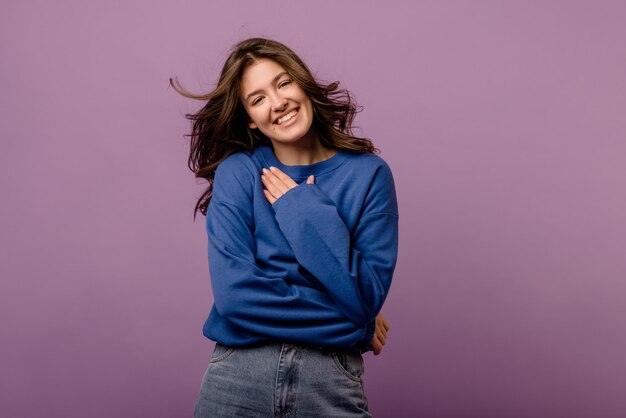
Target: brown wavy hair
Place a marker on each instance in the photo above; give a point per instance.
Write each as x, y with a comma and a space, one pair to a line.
220, 128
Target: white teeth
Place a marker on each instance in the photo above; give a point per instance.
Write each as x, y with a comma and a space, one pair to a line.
287, 117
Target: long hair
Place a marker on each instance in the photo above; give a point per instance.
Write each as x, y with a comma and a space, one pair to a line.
220, 128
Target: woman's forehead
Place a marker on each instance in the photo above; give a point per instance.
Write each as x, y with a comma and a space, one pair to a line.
260, 74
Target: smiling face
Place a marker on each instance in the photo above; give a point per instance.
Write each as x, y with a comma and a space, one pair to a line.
276, 104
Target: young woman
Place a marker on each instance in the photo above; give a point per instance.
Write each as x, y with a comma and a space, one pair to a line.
302, 225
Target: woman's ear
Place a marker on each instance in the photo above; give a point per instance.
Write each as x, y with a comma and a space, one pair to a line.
252, 125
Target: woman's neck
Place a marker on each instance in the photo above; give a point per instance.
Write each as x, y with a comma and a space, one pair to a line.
305, 151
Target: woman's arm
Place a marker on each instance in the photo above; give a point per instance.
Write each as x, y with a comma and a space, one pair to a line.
247, 296
356, 270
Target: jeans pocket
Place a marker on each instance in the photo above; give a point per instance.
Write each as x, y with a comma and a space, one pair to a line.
349, 363
221, 352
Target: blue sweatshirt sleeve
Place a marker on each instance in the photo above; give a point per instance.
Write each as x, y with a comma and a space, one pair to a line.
356, 269
247, 296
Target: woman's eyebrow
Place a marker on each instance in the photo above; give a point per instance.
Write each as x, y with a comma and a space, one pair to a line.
279, 75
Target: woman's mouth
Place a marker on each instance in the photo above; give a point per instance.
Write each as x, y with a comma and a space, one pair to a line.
284, 120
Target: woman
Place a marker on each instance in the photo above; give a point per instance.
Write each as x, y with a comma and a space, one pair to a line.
302, 225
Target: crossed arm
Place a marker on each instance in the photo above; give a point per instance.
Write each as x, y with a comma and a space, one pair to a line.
276, 183
353, 269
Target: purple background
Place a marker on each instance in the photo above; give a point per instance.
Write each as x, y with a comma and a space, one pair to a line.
504, 124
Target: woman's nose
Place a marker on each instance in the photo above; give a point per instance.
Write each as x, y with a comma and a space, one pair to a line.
279, 103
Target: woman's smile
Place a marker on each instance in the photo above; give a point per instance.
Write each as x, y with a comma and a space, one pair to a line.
288, 119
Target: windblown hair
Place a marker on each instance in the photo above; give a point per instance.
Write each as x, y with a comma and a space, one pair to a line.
221, 127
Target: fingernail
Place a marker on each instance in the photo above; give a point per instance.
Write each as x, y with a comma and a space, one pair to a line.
265, 170
272, 168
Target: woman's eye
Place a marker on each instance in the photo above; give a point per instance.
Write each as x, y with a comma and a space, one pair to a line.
257, 100
283, 84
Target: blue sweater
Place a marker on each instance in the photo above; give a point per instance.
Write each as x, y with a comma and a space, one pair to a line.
316, 266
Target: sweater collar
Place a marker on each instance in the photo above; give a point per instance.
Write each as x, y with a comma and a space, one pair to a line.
303, 171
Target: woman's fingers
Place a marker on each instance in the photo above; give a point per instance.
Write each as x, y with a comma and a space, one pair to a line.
270, 191
380, 334
383, 321
277, 183
269, 196
380, 326
283, 178
376, 345
272, 183
382, 338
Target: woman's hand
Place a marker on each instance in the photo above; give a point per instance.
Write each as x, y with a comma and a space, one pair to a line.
277, 183
380, 334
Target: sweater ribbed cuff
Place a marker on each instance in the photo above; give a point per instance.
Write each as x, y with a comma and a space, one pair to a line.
364, 345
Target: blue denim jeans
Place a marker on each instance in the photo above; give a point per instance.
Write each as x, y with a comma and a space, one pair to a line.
282, 380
